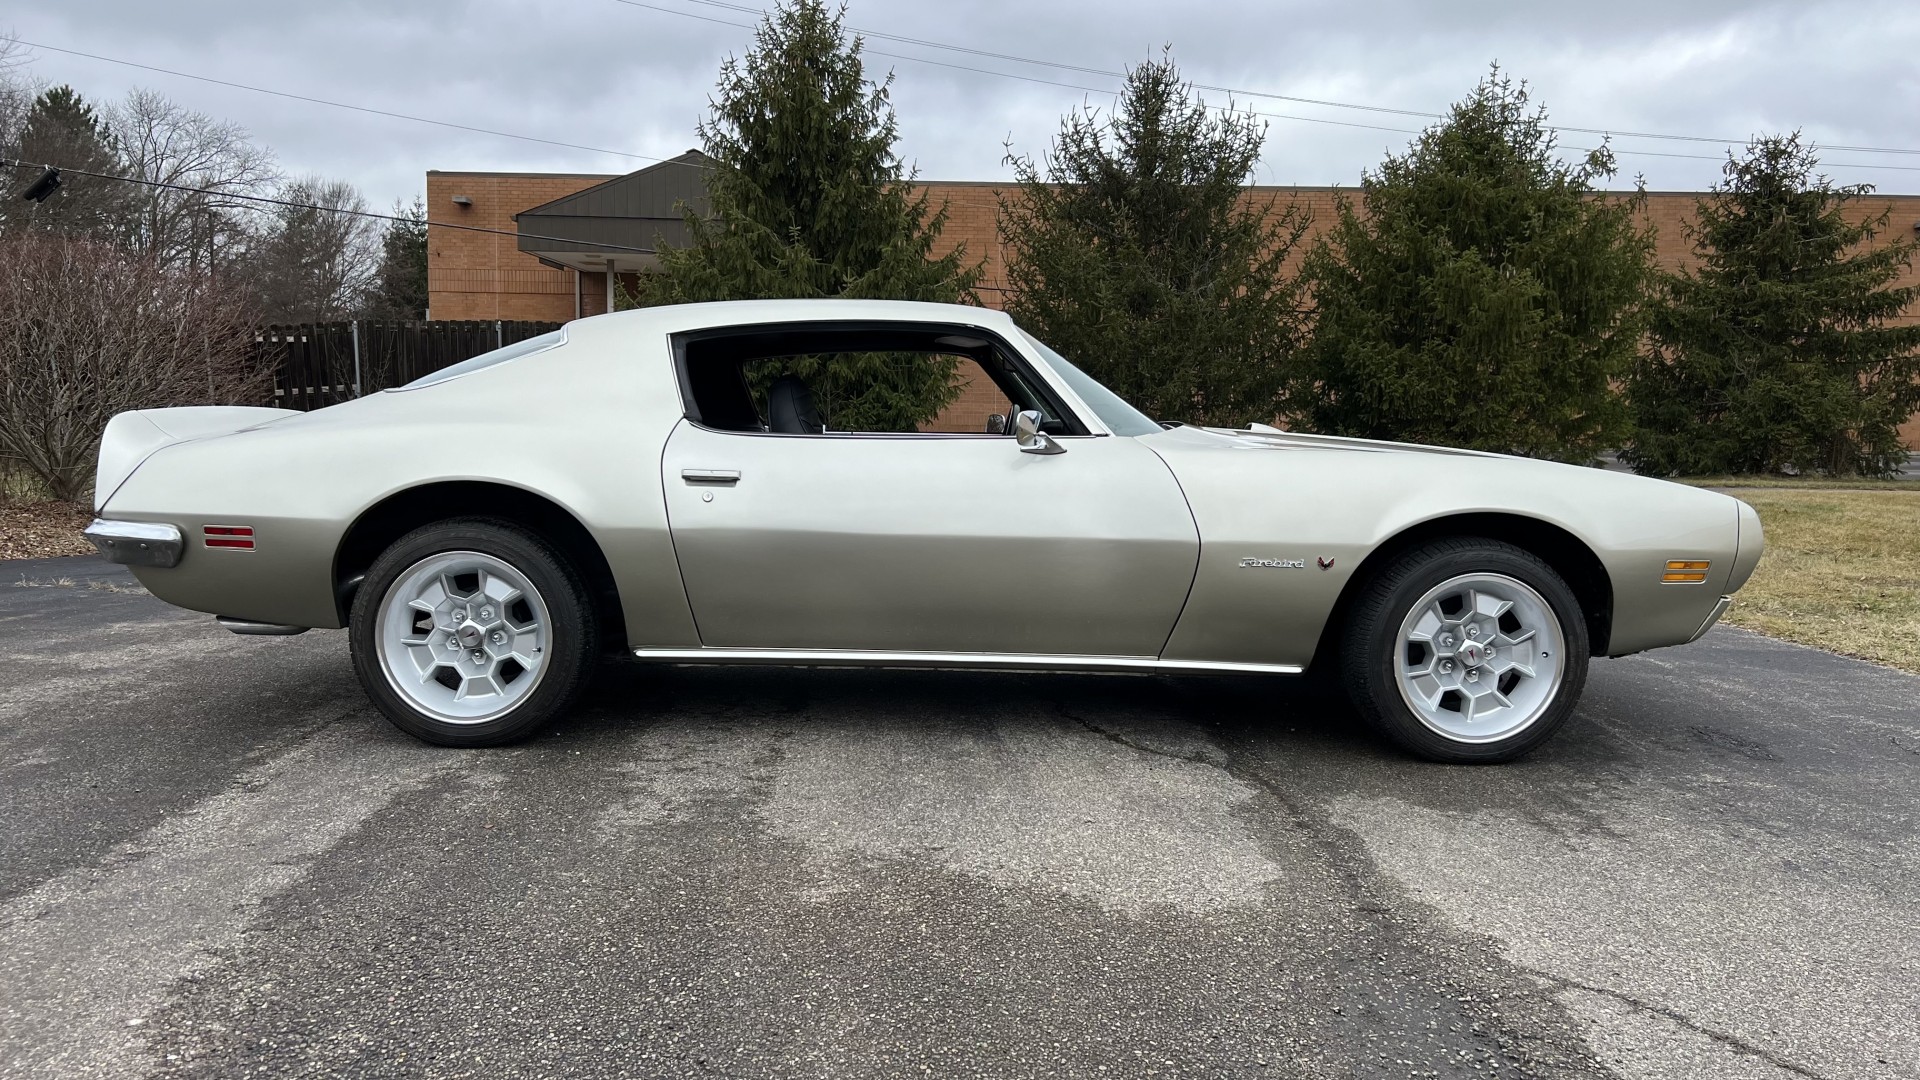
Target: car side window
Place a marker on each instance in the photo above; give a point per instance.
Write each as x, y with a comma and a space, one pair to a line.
877, 393
870, 380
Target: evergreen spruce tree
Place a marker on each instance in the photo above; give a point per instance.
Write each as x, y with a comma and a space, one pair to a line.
1774, 354
808, 199
1136, 251
1483, 297
62, 129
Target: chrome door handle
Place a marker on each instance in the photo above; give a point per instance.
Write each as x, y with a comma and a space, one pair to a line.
710, 476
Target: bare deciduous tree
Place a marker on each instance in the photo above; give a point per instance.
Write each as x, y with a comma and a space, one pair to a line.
16, 91
88, 330
313, 261
167, 143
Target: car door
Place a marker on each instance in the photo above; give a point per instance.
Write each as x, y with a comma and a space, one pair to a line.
927, 542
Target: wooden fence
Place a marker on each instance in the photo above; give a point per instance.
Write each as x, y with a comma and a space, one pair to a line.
319, 364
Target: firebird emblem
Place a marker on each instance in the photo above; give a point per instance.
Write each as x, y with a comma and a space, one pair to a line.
1325, 563
1275, 564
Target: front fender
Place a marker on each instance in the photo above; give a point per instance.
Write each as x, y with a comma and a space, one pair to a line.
1284, 529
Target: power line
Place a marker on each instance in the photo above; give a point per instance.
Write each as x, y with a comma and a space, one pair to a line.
338, 104
325, 209
622, 153
1058, 65
936, 44
1011, 75
961, 67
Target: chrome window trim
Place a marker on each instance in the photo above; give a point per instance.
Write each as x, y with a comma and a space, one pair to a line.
1088, 418
902, 435
1069, 401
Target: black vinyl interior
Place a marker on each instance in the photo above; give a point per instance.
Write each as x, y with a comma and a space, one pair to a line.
790, 408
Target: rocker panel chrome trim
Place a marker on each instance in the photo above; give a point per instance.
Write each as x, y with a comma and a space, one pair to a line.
990, 661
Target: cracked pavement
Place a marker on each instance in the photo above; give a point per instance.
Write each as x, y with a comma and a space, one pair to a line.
220, 861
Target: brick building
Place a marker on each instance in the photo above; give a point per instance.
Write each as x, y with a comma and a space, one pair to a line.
561, 267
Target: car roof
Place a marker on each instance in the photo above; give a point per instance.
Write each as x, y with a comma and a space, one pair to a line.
734, 312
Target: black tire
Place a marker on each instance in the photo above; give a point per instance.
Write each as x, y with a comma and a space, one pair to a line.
1371, 649
572, 639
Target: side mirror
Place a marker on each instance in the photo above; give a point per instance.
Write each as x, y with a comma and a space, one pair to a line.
1029, 437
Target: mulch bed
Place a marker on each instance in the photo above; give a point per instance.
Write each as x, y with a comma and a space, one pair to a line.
42, 530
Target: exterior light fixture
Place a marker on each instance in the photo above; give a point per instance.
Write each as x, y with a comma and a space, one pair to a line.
42, 189
462, 200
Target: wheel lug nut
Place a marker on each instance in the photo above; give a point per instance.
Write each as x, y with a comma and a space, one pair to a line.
1473, 631
1473, 676
1446, 639
486, 613
499, 638
1446, 667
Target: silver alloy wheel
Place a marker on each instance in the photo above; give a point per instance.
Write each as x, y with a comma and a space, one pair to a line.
1480, 657
463, 636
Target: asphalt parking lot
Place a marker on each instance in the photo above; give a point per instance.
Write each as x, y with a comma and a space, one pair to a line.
219, 861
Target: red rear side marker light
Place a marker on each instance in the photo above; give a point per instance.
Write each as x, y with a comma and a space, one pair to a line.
237, 537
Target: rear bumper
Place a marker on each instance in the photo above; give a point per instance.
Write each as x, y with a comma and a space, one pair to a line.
136, 543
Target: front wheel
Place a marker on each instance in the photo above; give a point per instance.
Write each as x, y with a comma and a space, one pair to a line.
1466, 651
472, 632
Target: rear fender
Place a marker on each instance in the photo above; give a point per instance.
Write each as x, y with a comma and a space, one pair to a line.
131, 437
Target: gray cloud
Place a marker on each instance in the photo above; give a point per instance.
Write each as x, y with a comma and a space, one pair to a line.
600, 73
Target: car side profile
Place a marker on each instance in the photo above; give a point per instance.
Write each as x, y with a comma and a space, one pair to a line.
705, 484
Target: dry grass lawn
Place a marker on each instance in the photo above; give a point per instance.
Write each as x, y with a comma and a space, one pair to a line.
1850, 483
1841, 571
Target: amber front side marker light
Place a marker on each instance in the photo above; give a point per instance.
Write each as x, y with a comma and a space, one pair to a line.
1686, 571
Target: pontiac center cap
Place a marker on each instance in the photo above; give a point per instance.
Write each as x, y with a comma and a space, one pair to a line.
1473, 654
470, 634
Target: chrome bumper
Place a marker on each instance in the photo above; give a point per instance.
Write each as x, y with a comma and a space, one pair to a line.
1719, 609
136, 543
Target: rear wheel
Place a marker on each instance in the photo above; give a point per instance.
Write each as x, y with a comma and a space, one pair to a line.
472, 632
1466, 651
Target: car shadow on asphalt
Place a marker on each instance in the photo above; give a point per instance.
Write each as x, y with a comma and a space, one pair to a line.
1296, 712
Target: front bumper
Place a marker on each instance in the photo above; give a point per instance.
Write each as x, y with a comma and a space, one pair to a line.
1718, 610
136, 543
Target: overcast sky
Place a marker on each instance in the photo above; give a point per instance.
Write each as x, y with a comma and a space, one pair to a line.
624, 77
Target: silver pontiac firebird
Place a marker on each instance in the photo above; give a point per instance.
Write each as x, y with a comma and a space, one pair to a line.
707, 484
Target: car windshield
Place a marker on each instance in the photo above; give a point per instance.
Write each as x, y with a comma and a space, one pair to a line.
1120, 417
488, 359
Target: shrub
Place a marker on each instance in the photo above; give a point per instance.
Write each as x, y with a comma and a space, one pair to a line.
88, 330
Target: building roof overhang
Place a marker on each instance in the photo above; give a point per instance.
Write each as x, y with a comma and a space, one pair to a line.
620, 224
